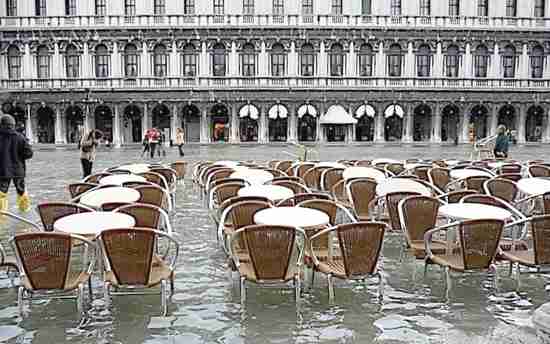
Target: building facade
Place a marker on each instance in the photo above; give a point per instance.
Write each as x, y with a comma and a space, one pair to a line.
277, 70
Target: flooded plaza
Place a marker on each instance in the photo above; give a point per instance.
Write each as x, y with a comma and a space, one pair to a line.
205, 307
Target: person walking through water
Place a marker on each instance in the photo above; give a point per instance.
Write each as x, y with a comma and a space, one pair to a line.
502, 142
14, 151
179, 141
146, 146
87, 145
162, 140
153, 137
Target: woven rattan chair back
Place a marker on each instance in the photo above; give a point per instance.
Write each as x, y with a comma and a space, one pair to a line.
363, 163
270, 249
539, 171
540, 230
110, 206
456, 196
476, 183
45, 258
287, 179
301, 197
439, 177
515, 177
395, 168
302, 168
77, 189
483, 199
155, 178
136, 184
312, 177
169, 174
283, 165
151, 194
421, 172
546, 203
129, 252
362, 192
479, 240
273, 163
338, 192
227, 190
504, 189
206, 171
510, 168
145, 215
296, 187
180, 167
418, 214
330, 177
52, 211
95, 178
242, 213
392, 202
360, 246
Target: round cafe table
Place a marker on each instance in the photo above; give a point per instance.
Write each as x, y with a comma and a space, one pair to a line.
93, 223
272, 192
401, 185
226, 163
291, 216
253, 176
330, 164
363, 172
534, 186
473, 211
95, 199
469, 172
385, 161
119, 179
135, 168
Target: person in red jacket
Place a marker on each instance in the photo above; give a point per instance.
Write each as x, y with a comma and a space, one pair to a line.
153, 137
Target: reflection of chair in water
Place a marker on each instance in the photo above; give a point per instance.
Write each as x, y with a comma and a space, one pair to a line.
483, 148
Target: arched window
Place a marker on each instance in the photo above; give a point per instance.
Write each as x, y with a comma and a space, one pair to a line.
394, 60
365, 60
483, 8
42, 63
102, 58
509, 62
454, 8
189, 7
131, 58
11, 8
452, 62
70, 7
337, 7
248, 60
481, 62
100, 8
160, 65
40, 8
423, 61
14, 63
395, 7
425, 8
540, 8
511, 8
366, 7
307, 7
337, 60
248, 7
72, 62
278, 60
218, 7
278, 7
218, 60
129, 8
537, 62
307, 60
189, 60
159, 7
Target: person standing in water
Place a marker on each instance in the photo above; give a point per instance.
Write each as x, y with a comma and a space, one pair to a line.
88, 144
502, 143
179, 141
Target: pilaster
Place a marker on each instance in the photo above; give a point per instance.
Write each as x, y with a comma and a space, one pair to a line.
58, 129
493, 120
520, 123
145, 119
436, 124
379, 124
292, 124
116, 126
234, 127
204, 135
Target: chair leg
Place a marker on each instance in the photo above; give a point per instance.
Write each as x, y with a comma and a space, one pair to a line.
90, 293
20, 294
330, 288
80, 300
493, 269
107, 294
511, 268
380, 287
518, 277
297, 288
164, 298
448, 282
312, 277
243, 290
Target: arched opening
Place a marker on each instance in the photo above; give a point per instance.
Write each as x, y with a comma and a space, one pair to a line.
365, 60
337, 60
478, 122
506, 117
102, 61
278, 123
307, 123
424, 61
248, 60
422, 126
364, 129
72, 61
45, 130
393, 124
218, 60
104, 122
481, 61
161, 120
537, 59
533, 124
336, 123
248, 123
307, 60
42, 62
133, 131
220, 123
509, 62
131, 61
452, 62
74, 123
191, 123
395, 57
449, 123
160, 61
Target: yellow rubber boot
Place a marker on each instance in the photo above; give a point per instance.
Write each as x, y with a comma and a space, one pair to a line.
3, 201
23, 202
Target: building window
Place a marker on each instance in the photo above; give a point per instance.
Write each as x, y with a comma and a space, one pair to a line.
40, 7
42, 63
102, 61
218, 60
131, 58
159, 7
307, 7
366, 7
509, 62
454, 8
337, 7
72, 62
129, 8
14, 63
307, 63
11, 8
248, 61
394, 60
365, 60
425, 8
423, 61
160, 64
278, 7
481, 62
452, 62
218, 7
395, 7
537, 62
70, 7
540, 8
511, 8
278, 58
483, 8
337, 60
189, 7
100, 8
189, 61
248, 7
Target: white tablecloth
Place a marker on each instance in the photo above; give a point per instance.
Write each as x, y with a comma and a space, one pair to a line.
272, 192
93, 223
363, 172
291, 216
330, 164
253, 176
469, 172
96, 198
135, 168
472, 211
119, 179
534, 186
226, 163
401, 185
385, 161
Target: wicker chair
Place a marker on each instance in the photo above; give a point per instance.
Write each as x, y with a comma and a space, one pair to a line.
360, 245
152, 194
222, 192
77, 189
180, 167
301, 197
130, 261
216, 216
504, 189
52, 211
422, 172
156, 178
328, 207
48, 265
302, 168
95, 178
339, 193
456, 196
534, 202
439, 177
476, 183
510, 168
110, 206
394, 169
363, 163
313, 177
198, 168
136, 184
478, 246
329, 178
205, 171
286, 179
283, 165
296, 187
392, 202
495, 202
361, 192
515, 177
216, 174
147, 216
170, 175
539, 171
276, 255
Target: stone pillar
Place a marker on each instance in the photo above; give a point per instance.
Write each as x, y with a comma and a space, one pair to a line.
263, 64
28, 124
117, 141
262, 125
174, 122
408, 124
58, 129
546, 126
87, 118
292, 124
233, 61
379, 125
234, 134
436, 124
57, 72
205, 134
145, 119
520, 123
467, 63
322, 63
321, 137
351, 137
464, 122
204, 64
380, 61
493, 120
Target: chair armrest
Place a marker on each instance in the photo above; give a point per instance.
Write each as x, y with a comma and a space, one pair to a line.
232, 255
89, 244
312, 239
429, 233
34, 225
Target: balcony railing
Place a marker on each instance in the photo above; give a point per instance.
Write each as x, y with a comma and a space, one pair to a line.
336, 83
194, 21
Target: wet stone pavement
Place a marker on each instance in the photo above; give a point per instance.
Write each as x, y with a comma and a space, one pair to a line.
205, 307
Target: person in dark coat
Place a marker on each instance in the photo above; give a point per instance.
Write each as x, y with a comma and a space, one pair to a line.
502, 143
14, 151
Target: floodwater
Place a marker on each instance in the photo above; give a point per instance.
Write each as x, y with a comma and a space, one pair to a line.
205, 307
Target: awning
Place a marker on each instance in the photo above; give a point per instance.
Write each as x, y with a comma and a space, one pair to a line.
277, 111
394, 110
365, 109
307, 108
249, 110
336, 114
